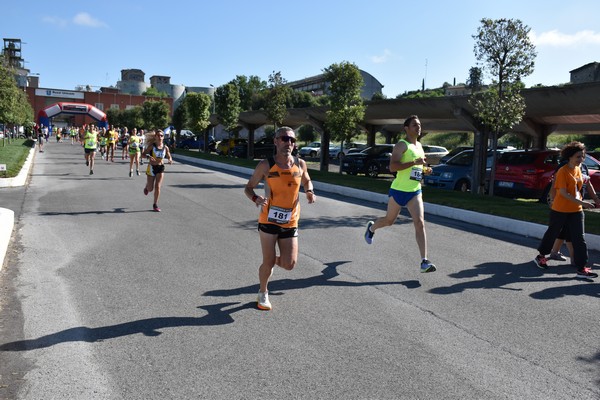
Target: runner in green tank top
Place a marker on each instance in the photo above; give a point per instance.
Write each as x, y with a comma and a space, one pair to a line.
90, 142
408, 161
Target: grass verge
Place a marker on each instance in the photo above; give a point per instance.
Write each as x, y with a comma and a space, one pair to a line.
14, 154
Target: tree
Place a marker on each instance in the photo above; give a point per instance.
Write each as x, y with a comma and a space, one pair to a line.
300, 99
475, 80
153, 92
14, 105
248, 87
227, 106
198, 107
114, 116
155, 114
277, 97
132, 118
503, 48
346, 109
419, 94
180, 117
306, 133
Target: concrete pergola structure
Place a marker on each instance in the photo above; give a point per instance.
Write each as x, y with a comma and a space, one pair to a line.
569, 109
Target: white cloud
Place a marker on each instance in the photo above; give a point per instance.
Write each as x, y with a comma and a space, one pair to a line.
55, 21
382, 58
559, 39
86, 19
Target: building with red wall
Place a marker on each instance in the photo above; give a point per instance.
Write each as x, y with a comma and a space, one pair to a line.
104, 99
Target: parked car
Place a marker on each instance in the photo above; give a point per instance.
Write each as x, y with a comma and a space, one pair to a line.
372, 161
593, 166
595, 154
457, 172
225, 146
312, 150
263, 148
454, 152
197, 143
433, 154
525, 173
336, 151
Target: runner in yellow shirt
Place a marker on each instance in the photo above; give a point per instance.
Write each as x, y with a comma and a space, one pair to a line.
134, 152
90, 142
113, 136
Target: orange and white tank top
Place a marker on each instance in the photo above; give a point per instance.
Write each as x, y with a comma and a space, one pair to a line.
281, 189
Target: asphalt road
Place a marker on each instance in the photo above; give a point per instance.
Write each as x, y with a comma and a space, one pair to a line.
101, 298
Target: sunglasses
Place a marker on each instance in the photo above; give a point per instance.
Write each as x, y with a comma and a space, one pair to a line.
287, 139
160, 135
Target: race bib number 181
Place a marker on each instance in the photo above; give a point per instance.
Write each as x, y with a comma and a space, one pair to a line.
279, 215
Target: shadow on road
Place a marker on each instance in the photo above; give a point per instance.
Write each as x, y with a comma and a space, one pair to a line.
76, 213
208, 186
325, 279
218, 314
500, 275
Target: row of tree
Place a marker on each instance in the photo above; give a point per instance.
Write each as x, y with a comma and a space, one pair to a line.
503, 50
15, 109
274, 97
152, 114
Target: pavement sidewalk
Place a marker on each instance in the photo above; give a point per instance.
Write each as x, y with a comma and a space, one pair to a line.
7, 217
522, 228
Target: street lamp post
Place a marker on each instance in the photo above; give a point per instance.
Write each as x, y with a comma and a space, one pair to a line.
213, 106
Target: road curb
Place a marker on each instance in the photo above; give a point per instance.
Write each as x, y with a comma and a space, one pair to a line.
7, 217
528, 229
7, 222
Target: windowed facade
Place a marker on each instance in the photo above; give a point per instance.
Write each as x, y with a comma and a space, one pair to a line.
317, 85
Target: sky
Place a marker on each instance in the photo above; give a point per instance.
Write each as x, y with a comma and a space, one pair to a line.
202, 43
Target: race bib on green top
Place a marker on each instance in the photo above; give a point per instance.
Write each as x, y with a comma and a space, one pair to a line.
416, 173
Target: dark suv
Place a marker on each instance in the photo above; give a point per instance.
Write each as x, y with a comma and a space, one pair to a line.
525, 173
372, 161
263, 148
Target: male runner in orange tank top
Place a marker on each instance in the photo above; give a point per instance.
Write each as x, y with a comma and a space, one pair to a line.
279, 207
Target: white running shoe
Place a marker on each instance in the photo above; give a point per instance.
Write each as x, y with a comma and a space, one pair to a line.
263, 301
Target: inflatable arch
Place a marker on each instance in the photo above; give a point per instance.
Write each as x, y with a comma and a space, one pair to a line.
47, 113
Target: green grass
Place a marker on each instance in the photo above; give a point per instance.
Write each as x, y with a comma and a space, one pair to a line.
520, 209
14, 154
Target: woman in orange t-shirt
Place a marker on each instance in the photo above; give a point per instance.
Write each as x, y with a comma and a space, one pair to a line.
567, 211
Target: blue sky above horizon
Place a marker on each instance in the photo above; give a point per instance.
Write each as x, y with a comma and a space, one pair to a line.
199, 43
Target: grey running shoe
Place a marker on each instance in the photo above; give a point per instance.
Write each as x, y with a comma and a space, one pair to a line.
368, 233
558, 256
263, 302
427, 266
